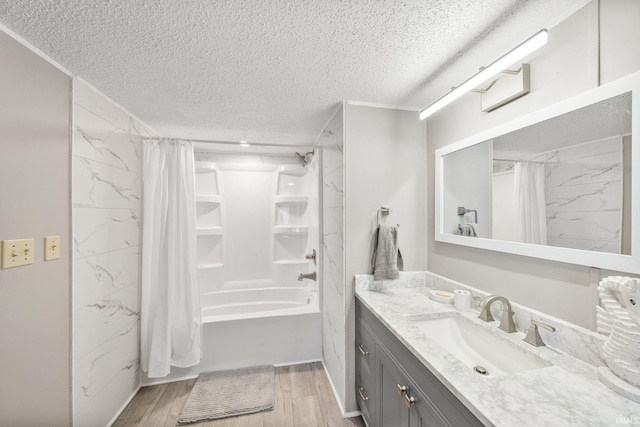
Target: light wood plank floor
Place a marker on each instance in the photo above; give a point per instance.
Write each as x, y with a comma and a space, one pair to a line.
303, 398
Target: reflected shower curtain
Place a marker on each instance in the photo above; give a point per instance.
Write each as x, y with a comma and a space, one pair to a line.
171, 321
531, 209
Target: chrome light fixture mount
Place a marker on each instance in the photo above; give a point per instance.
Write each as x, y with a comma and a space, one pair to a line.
516, 54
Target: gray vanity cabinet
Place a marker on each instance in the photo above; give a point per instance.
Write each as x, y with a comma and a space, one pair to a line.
394, 389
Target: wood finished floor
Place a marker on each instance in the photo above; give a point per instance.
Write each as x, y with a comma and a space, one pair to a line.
303, 397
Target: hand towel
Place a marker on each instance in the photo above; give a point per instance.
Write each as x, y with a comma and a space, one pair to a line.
468, 230
387, 259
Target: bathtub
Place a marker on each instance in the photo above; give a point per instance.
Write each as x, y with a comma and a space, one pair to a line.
256, 302
263, 325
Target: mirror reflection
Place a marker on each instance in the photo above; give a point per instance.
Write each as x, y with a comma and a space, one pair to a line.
562, 182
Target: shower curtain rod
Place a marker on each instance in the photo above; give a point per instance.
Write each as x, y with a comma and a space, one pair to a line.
213, 141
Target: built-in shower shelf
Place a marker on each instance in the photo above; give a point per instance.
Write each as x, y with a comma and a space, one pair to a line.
291, 261
294, 170
205, 167
289, 229
214, 199
207, 266
291, 200
209, 231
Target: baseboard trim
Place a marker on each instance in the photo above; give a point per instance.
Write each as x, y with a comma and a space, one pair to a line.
115, 417
301, 362
352, 414
335, 393
172, 380
190, 377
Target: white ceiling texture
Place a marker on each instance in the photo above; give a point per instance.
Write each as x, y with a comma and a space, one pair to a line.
273, 71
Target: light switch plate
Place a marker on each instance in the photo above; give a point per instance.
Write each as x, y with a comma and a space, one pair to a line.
51, 247
17, 252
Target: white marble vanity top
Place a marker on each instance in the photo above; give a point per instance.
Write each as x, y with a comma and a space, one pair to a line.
568, 393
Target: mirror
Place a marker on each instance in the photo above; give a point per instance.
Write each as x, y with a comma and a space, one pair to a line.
556, 184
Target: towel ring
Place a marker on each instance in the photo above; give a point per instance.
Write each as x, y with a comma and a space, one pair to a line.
383, 211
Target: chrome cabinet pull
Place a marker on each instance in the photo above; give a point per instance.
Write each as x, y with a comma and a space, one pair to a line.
402, 390
409, 400
361, 348
361, 391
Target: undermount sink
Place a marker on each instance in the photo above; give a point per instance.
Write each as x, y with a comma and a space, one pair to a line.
477, 347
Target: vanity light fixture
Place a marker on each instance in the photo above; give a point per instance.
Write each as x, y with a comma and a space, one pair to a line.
244, 144
531, 44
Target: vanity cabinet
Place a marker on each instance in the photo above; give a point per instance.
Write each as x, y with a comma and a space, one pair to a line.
394, 388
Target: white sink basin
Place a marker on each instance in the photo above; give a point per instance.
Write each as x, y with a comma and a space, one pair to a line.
477, 347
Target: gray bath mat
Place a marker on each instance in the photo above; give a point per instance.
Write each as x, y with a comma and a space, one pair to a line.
229, 393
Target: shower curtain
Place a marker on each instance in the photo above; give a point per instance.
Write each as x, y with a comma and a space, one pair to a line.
171, 320
531, 209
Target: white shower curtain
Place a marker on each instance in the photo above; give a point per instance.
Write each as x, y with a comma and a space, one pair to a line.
171, 321
531, 209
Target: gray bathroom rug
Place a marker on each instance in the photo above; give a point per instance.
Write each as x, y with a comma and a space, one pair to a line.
230, 393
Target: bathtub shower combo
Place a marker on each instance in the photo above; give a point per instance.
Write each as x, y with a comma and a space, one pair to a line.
257, 225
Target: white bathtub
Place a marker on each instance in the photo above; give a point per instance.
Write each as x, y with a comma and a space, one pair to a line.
266, 325
257, 302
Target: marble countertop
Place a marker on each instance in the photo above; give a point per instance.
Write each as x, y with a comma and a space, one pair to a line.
568, 393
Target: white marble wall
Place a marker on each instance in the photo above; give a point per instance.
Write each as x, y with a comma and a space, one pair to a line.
584, 196
333, 276
106, 279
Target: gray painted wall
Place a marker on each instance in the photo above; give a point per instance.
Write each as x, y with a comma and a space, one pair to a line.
34, 202
566, 66
384, 166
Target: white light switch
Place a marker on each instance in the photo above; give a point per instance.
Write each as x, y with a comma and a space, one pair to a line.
17, 252
51, 247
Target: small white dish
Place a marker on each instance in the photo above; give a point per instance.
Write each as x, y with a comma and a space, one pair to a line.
441, 296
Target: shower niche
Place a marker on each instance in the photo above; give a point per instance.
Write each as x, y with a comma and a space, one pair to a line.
209, 220
291, 223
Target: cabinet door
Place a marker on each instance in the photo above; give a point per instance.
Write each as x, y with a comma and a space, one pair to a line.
422, 413
393, 411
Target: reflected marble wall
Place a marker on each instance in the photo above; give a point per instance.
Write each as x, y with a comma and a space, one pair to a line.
584, 196
333, 280
106, 196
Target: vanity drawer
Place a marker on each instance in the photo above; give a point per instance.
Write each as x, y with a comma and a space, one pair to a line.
365, 393
365, 346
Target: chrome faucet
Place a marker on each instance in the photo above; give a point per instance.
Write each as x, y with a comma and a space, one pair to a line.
311, 276
506, 324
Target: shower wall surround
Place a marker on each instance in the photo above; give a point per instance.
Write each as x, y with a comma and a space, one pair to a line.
333, 276
584, 196
106, 278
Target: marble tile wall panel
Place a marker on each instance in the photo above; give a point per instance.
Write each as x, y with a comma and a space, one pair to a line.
97, 231
97, 185
584, 196
593, 226
334, 287
96, 139
104, 274
106, 195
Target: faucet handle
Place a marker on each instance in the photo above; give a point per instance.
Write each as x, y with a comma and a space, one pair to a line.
543, 325
533, 336
311, 256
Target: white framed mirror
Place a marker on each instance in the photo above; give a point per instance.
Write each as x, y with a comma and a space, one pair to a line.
562, 183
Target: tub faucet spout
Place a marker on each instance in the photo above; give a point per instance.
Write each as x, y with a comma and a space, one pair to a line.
310, 276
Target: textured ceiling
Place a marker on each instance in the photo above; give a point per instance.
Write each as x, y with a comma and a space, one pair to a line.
273, 70
611, 117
